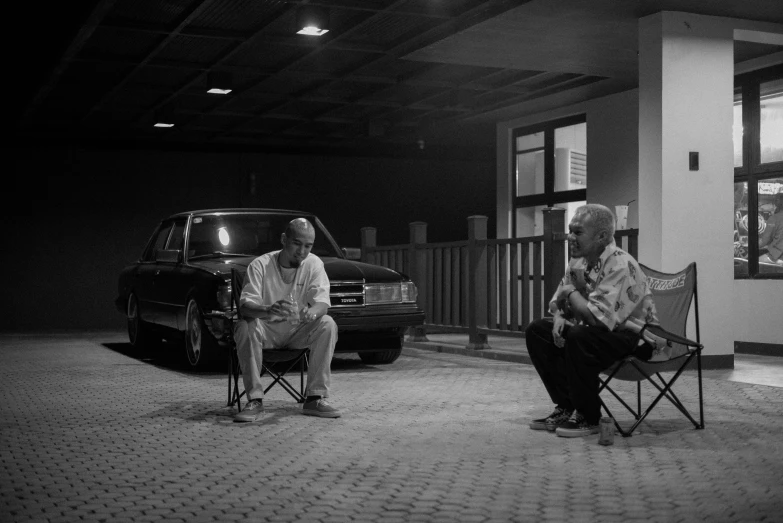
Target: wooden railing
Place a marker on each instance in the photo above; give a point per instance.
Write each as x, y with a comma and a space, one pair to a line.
482, 286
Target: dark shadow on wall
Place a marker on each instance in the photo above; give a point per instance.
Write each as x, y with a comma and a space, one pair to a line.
76, 217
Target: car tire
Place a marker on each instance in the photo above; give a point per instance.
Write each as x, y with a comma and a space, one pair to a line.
139, 333
382, 357
199, 346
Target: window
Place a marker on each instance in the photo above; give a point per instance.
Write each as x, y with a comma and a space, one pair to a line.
550, 166
158, 241
758, 174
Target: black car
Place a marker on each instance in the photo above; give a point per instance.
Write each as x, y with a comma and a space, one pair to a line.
184, 275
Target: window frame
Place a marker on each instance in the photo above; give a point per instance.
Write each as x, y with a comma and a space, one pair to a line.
549, 197
752, 170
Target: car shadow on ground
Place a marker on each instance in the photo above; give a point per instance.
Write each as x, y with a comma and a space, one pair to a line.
170, 356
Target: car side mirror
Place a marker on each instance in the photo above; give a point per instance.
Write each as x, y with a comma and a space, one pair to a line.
352, 253
168, 255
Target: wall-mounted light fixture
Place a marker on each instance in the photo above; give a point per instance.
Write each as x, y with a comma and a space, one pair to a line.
312, 20
219, 82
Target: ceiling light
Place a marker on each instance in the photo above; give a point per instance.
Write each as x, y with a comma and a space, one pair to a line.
312, 20
219, 82
163, 124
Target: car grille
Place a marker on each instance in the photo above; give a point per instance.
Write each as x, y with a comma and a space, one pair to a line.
346, 293
358, 293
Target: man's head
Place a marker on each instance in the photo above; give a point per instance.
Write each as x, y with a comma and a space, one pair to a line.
297, 241
590, 231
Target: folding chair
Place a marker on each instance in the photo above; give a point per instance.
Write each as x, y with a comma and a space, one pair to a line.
674, 294
273, 360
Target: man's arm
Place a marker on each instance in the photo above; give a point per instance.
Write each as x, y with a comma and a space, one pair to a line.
580, 310
314, 312
264, 312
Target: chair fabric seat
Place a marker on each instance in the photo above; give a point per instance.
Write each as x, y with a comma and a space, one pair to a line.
629, 368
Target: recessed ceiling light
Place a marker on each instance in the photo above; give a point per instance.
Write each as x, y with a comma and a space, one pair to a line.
311, 30
163, 124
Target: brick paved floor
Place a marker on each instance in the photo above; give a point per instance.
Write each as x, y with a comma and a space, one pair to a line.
91, 432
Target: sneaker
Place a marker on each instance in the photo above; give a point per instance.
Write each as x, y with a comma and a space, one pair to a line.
253, 411
576, 427
320, 408
551, 422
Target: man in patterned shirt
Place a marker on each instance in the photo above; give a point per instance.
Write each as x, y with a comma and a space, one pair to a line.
599, 308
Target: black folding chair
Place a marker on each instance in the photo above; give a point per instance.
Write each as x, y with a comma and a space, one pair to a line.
276, 362
674, 294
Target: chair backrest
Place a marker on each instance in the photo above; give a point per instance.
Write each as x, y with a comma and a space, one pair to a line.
674, 293
237, 282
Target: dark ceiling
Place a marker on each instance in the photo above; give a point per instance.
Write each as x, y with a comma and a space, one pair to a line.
389, 77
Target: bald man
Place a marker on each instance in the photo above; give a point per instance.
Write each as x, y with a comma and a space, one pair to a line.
266, 311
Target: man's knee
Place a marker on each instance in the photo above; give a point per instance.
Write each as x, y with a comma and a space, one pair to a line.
327, 325
539, 329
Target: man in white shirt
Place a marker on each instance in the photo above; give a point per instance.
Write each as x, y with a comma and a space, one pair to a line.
280, 288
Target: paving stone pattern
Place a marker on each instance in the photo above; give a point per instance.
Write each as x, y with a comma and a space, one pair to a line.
91, 431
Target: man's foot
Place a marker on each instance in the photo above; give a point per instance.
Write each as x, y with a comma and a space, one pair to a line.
576, 427
551, 422
253, 411
319, 407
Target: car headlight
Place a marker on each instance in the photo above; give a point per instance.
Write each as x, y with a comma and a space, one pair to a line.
379, 293
382, 293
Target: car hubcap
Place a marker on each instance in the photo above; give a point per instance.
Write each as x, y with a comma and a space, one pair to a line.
193, 334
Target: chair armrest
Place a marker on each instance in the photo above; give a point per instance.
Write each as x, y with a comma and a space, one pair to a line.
670, 336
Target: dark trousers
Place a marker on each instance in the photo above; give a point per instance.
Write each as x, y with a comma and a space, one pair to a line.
570, 373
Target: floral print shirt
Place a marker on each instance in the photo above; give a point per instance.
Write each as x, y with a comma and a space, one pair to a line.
616, 289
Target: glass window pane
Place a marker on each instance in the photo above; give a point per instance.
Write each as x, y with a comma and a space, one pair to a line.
530, 173
740, 229
571, 157
737, 128
770, 212
771, 116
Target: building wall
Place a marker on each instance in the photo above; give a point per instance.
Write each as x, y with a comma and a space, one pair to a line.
695, 221
612, 154
76, 217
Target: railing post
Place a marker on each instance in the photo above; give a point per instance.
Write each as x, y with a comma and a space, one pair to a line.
369, 239
554, 250
477, 291
418, 273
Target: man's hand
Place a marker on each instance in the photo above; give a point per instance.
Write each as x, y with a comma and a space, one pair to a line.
280, 308
557, 329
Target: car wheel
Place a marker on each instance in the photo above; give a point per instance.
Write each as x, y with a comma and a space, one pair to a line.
138, 331
382, 357
198, 346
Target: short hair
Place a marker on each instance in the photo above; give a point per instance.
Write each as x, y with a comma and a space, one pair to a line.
298, 224
602, 218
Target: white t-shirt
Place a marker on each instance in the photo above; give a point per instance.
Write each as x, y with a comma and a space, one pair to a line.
264, 283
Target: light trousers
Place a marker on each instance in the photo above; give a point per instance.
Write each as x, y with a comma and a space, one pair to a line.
320, 336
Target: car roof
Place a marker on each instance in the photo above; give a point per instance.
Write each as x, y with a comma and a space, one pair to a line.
241, 210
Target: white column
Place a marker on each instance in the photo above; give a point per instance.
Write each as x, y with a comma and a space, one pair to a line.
686, 75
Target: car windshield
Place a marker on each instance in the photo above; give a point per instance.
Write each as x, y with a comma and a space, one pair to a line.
248, 234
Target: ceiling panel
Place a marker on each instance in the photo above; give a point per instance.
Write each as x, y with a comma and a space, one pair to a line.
388, 71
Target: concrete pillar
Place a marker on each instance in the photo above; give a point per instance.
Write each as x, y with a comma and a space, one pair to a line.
686, 75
